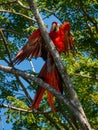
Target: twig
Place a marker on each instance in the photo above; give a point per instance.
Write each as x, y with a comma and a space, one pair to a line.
85, 76
23, 110
32, 66
6, 45
10, 2
24, 89
13, 31
22, 15
14, 108
25, 7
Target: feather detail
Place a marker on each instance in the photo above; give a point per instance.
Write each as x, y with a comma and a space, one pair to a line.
50, 75
38, 97
33, 48
67, 38
50, 101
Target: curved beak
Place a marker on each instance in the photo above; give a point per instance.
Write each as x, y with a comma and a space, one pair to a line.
54, 27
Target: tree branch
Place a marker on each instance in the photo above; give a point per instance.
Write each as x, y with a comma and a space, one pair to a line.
23, 110
86, 76
22, 15
33, 78
5, 44
14, 108
10, 59
15, 32
45, 113
78, 113
28, 8
10, 2
67, 118
40, 82
80, 3
25, 7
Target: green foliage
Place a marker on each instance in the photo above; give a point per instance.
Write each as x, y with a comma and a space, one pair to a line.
83, 71
17, 24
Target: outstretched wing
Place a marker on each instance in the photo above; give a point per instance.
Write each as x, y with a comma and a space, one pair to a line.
33, 48
67, 37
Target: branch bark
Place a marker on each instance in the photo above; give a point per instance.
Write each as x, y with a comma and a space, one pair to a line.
74, 99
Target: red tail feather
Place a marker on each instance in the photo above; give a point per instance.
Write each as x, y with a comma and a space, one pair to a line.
52, 77
51, 102
38, 97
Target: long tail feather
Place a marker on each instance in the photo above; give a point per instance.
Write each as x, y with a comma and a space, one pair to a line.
51, 102
40, 90
53, 78
38, 97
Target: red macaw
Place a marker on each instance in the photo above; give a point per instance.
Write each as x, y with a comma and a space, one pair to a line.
36, 47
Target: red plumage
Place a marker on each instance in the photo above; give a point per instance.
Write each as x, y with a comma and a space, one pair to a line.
35, 47
49, 74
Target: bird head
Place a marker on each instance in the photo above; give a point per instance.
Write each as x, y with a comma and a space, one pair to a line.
54, 27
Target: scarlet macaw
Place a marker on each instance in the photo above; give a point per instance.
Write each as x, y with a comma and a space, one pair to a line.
36, 47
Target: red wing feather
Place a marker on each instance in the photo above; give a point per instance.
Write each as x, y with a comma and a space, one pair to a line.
67, 37
31, 49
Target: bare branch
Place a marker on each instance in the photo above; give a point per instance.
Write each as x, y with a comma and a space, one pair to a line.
6, 46
86, 76
14, 108
12, 31
25, 7
20, 14
45, 113
23, 110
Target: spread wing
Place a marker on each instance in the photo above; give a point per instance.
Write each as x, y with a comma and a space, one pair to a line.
67, 37
33, 48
